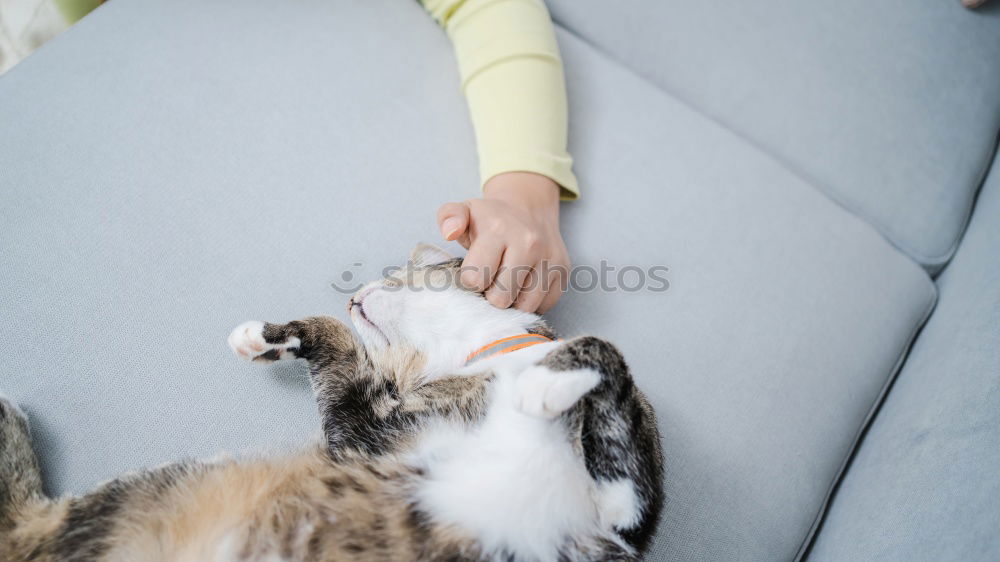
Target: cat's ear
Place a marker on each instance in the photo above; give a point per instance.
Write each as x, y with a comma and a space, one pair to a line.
428, 254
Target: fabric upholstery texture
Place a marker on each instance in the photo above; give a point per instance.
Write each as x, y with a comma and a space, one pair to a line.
173, 168
892, 108
925, 480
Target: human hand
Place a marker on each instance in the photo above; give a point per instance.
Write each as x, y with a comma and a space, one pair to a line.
516, 253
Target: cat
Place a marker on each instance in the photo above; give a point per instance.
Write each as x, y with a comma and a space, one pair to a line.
546, 453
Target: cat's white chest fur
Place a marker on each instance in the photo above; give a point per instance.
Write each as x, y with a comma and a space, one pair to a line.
514, 481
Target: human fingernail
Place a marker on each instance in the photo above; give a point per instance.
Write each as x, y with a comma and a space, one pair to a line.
450, 227
470, 277
496, 299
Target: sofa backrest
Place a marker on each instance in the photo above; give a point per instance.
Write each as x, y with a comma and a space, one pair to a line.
891, 107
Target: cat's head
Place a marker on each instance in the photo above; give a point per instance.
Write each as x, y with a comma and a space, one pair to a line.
420, 317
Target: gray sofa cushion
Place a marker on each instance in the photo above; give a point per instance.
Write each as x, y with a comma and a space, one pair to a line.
174, 168
925, 482
890, 107
785, 317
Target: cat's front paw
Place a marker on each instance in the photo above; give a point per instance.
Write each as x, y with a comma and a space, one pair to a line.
247, 342
545, 393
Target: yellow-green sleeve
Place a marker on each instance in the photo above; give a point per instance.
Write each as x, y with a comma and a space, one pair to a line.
512, 77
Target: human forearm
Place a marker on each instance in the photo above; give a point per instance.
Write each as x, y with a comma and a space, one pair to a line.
512, 77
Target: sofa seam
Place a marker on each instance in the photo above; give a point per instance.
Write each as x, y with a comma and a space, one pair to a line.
819, 519
932, 264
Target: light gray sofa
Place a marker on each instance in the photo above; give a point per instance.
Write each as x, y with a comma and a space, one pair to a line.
825, 364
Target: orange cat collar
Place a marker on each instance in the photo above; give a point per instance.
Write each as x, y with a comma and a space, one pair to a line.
506, 345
